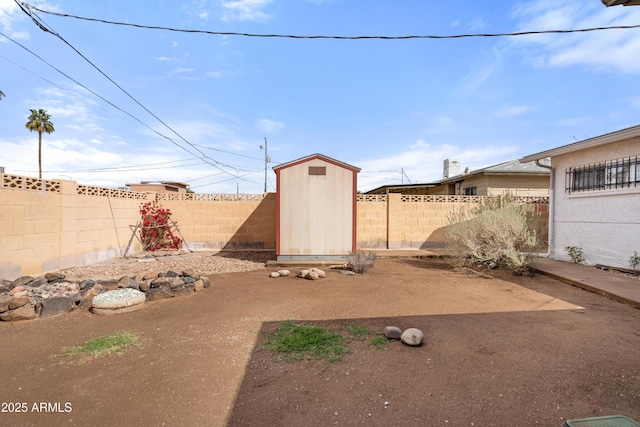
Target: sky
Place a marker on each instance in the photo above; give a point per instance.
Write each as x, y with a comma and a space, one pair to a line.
160, 105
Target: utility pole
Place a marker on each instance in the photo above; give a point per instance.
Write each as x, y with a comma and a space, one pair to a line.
266, 161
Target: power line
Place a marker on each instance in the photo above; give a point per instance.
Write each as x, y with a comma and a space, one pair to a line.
40, 23
334, 37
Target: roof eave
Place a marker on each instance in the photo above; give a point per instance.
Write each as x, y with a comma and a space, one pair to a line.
597, 141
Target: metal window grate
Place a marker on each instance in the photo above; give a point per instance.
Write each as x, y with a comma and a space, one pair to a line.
317, 170
609, 175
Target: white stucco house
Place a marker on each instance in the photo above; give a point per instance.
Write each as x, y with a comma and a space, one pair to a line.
595, 197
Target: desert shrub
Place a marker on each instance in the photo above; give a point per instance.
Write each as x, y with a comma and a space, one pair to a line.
495, 230
575, 253
634, 262
360, 261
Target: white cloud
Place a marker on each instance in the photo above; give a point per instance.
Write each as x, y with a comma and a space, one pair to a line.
480, 72
607, 50
268, 126
422, 162
245, 10
513, 110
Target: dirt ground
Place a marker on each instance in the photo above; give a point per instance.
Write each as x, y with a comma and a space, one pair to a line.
498, 351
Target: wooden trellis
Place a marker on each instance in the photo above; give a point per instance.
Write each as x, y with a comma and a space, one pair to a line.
173, 228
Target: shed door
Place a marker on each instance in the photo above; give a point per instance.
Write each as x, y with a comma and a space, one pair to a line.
316, 209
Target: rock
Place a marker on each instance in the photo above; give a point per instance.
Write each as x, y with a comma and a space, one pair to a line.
119, 298
20, 294
188, 279
207, 281
348, 272
160, 281
188, 273
4, 303
303, 273
26, 312
159, 293
38, 282
100, 288
56, 306
15, 290
20, 281
321, 274
18, 302
150, 276
284, 273
171, 274
493, 265
144, 286
51, 277
176, 282
124, 282
86, 284
181, 291
312, 275
413, 337
392, 332
198, 285
274, 274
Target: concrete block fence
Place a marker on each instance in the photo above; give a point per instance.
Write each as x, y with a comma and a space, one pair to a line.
46, 225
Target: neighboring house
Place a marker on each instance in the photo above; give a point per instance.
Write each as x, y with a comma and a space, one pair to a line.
159, 186
595, 197
512, 177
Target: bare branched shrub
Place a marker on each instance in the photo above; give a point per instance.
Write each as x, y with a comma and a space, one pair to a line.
496, 230
360, 261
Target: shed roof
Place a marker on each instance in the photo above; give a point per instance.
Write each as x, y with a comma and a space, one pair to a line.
597, 141
313, 157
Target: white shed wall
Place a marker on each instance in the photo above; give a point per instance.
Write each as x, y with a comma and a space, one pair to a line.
605, 224
316, 211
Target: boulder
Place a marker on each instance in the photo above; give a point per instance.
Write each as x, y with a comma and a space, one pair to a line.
119, 298
176, 282
206, 280
188, 273
51, 277
159, 293
303, 273
18, 302
392, 332
56, 306
85, 284
26, 312
321, 274
274, 274
188, 279
198, 285
144, 286
284, 273
312, 275
112, 311
159, 282
4, 303
124, 282
150, 276
38, 282
15, 290
20, 281
413, 337
171, 274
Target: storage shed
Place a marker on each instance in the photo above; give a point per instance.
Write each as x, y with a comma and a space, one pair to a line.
315, 209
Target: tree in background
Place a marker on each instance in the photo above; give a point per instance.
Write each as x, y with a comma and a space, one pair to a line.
2, 95
40, 122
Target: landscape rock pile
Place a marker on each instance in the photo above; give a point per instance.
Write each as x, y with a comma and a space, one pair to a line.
413, 337
29, 297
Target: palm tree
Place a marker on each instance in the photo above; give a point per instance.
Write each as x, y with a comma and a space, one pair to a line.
39, 121
2, 95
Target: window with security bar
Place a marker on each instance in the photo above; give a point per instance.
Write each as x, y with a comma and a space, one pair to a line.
609, 175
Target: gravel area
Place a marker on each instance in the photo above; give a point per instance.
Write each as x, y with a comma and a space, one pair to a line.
202, 263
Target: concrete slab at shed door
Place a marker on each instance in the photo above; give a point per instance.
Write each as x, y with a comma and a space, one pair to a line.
316, 209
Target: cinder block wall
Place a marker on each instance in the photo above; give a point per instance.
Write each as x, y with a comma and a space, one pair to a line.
50, 225
245, 223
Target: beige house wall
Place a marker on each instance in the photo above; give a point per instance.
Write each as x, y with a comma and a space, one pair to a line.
51, 225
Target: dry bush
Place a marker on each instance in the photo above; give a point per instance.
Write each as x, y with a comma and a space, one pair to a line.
496, 230
360, 261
